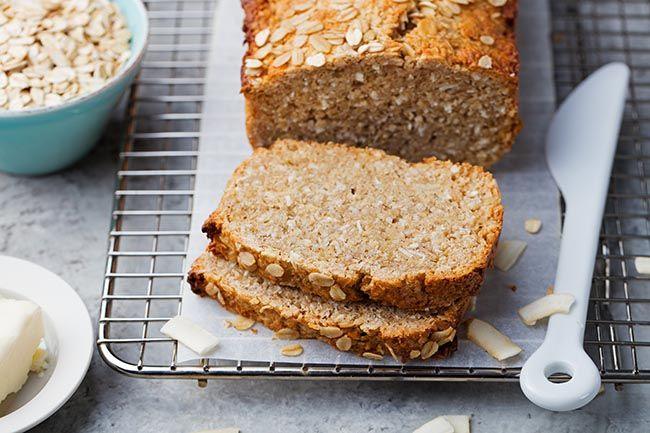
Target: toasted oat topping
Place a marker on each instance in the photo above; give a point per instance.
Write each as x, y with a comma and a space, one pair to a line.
246, 260
297, 57
242, 323
220, 298
321, 280
287, 334
485, 62
373, 356
299, 33
262, 37
52, 51
448, 339
337, 294
275, 270
331, 331
344, 343
442, 335
429, 349
316, 60
487, 40
292, 350
211, 289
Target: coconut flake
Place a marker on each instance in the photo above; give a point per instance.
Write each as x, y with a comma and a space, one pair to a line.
190, 334
545, 307
508, 253
491, 340
436, 425
459, 422
642, 265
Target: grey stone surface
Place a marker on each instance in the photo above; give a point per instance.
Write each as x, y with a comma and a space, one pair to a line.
61, 222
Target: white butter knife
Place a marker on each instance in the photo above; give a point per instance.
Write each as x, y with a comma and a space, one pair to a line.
580, 149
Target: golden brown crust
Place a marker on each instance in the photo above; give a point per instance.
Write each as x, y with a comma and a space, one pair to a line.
389, 339
429, 289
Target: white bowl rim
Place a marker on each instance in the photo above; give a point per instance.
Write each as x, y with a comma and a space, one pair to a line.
75, 341
133, 63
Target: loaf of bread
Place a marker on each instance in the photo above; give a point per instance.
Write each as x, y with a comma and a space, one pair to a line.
416, 78
351, 224
364, 328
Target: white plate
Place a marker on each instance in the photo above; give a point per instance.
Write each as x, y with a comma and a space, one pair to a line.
68, 335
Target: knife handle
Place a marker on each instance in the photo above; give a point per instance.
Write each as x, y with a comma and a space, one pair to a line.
562, 350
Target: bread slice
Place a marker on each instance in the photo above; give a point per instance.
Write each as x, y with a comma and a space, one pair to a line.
365, 328
414, 78
350, 224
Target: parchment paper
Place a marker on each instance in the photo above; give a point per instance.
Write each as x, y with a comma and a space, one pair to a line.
527, 188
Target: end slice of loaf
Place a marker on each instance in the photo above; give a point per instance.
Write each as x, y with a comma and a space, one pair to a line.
415, 78
360, 327
351, 224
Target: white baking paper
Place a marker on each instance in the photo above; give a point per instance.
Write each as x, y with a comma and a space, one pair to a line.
527, 188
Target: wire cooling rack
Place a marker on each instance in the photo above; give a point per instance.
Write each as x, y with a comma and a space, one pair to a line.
153, 202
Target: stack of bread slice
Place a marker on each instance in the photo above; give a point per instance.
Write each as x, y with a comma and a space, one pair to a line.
365, 251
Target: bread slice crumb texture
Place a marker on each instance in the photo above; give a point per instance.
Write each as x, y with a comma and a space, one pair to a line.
329, 219
359, 327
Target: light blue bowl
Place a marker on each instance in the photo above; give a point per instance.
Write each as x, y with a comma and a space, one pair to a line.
43, 140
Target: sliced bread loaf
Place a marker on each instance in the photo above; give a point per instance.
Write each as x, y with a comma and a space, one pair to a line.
365, 328
351, 224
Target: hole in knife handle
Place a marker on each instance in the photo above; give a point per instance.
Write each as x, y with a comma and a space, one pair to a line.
558, 372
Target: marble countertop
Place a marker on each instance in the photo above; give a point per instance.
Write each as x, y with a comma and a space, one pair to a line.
61, 222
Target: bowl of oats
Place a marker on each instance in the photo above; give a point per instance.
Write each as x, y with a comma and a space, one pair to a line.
64, 66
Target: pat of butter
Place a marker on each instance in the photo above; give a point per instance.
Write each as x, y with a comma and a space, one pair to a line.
190, 334
21, 330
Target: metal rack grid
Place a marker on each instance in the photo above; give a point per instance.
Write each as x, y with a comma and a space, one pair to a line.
586, 35
153, 202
